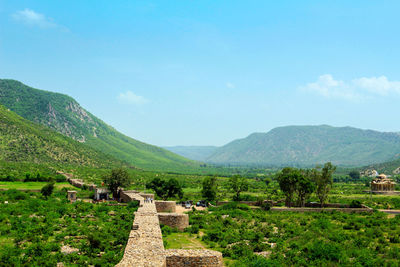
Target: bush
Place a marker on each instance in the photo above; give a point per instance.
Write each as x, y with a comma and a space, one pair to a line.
47, 190
355, 204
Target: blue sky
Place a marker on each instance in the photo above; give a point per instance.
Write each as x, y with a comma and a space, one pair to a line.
199, 72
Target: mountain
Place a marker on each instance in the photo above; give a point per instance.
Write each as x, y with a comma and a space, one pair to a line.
199, 153
63, 114
24, 141
310, 145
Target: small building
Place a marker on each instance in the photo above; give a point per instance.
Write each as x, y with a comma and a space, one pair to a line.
71, 196
101, 193
382, 184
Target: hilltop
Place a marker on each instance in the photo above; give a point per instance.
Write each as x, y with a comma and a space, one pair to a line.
23, 141
310, 145
64, 115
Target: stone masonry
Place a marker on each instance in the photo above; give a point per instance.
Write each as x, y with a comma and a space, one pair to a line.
145, 245
165, 206
193, 257
175, 220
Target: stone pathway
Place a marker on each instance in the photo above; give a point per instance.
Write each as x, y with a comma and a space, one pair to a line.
145, 245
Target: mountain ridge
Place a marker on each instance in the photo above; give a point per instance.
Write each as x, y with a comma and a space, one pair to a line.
63, 114
310, 145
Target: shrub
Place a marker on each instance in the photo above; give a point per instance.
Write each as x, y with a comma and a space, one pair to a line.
355, 204
47, 190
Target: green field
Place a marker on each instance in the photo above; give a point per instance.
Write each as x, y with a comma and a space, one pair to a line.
34, 230
31, 185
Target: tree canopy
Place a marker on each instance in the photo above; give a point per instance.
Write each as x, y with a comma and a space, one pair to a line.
165, 189
238, 184
116, 179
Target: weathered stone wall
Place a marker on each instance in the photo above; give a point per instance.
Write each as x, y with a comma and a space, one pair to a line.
193, 258
145, 245
175, 220
76, 182
165, 206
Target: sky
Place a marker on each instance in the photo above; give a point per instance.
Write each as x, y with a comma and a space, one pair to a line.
206, 72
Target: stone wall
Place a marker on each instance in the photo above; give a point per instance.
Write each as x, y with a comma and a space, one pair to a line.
165, 206
145, 244
147, 195
175, 220
193, 258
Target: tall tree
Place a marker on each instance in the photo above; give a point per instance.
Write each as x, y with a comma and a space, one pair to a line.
323, 181
116, 179
165, 189
47, 190
305, 186
238, 184
209, 191
288, 180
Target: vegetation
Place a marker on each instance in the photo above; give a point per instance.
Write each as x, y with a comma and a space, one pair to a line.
299, 239
116, 179
33, 230
47, 190
166, 189
209, 191
238, 184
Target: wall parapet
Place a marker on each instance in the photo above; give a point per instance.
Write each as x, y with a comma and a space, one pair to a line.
165, 206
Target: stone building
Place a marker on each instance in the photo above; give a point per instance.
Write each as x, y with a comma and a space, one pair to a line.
382, 184
71, 196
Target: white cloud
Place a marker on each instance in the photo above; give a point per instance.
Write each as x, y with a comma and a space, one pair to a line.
230, 85
355, 90
32, 18
131, 98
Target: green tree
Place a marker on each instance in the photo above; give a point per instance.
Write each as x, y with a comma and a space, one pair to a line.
165, 189
209, 191
238, 184
288, 182
47, 190
117, 178
354, 175
323, 181
305, 187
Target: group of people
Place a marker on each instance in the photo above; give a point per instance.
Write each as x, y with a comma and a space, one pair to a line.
148, 200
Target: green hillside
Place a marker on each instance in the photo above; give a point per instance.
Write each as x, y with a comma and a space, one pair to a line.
200, 153
63, 114
310, 145
22, 141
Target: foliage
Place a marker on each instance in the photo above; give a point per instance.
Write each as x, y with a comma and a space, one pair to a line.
47, 190
117, 178
33, 230
238, 184
299, 239
323, 181
165, 189
354, 174
209, 191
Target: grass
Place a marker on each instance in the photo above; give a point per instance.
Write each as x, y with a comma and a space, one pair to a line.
31, 185
183, 241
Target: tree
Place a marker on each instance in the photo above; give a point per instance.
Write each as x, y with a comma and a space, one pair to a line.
305, 186
47, 190
355, 175
323, 181
238, 184
116, 179
165, 189
288, 179
209, 191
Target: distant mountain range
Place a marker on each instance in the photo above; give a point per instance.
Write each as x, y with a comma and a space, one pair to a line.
199, 153
307, 146
64, 115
